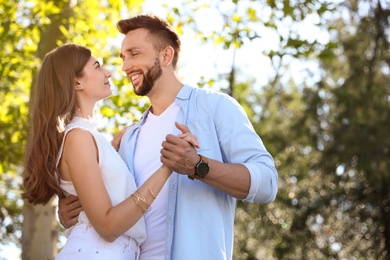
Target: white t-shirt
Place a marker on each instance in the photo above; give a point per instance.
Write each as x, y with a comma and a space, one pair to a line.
146, 162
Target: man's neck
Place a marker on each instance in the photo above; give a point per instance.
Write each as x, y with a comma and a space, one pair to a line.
163, 96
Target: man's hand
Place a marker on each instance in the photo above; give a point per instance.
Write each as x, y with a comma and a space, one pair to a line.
116, 141
179, 153
69, 209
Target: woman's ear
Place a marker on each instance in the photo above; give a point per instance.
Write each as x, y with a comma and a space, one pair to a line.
78, 86
167, 56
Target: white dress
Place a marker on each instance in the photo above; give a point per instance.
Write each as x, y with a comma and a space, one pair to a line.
83, 242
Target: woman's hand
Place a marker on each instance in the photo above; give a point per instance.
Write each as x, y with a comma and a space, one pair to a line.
187, 135
179, 152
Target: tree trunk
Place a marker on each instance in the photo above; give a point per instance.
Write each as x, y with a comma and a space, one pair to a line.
40, 231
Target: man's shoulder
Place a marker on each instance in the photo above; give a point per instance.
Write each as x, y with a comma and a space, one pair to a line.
207, 98
210, 93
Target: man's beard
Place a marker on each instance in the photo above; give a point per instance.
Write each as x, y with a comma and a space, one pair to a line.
150, 78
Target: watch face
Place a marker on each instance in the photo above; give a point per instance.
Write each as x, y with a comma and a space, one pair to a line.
202, 169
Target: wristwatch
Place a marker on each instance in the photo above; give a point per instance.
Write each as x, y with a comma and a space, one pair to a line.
201, 168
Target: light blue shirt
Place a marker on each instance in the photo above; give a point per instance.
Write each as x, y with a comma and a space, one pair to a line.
200, 218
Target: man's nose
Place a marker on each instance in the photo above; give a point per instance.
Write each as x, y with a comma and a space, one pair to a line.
126, 65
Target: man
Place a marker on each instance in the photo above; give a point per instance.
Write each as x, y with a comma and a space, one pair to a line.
193, 216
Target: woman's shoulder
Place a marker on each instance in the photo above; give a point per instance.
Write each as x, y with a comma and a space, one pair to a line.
78, 136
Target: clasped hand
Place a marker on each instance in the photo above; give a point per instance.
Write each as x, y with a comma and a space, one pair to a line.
179, 152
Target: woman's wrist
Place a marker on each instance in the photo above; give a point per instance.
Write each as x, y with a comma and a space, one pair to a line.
165, 169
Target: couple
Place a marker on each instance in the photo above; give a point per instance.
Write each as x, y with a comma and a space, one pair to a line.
188, 215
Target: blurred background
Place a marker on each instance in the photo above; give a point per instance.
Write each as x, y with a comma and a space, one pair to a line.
313, 76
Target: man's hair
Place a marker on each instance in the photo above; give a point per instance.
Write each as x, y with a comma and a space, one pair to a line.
161, 32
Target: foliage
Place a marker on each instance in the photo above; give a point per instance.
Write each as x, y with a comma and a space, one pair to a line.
16, 61
357, 108
276, 26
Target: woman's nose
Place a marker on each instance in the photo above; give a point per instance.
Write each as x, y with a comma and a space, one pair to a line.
107, 73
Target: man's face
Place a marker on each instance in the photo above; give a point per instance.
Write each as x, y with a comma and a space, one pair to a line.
140, 61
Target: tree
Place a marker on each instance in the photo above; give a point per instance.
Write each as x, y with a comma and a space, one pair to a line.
16, 57
357, 149
40, 228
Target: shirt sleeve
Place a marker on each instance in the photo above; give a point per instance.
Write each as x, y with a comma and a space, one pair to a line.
241, 144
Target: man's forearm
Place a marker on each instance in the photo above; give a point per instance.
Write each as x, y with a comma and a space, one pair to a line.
233, 179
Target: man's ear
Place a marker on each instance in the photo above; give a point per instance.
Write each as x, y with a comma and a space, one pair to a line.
167, 56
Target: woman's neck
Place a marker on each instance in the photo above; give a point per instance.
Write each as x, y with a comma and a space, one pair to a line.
81, 113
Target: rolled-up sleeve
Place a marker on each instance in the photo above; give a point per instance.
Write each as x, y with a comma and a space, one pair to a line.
264, 183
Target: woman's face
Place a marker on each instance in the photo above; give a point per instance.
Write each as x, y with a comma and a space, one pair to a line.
94, 82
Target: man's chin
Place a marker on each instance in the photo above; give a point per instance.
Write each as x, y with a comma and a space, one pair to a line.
137, 89
140, 92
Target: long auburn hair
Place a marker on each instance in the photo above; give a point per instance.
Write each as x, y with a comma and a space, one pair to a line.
160, 31
52, 106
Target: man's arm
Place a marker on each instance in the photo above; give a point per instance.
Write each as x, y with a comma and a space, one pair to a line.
242, 168
116, 141
181, 157
69, 209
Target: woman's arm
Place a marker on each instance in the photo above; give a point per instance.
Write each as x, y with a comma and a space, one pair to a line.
69, 207
80, 164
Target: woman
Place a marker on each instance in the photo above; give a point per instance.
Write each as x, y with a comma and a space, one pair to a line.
66, 155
